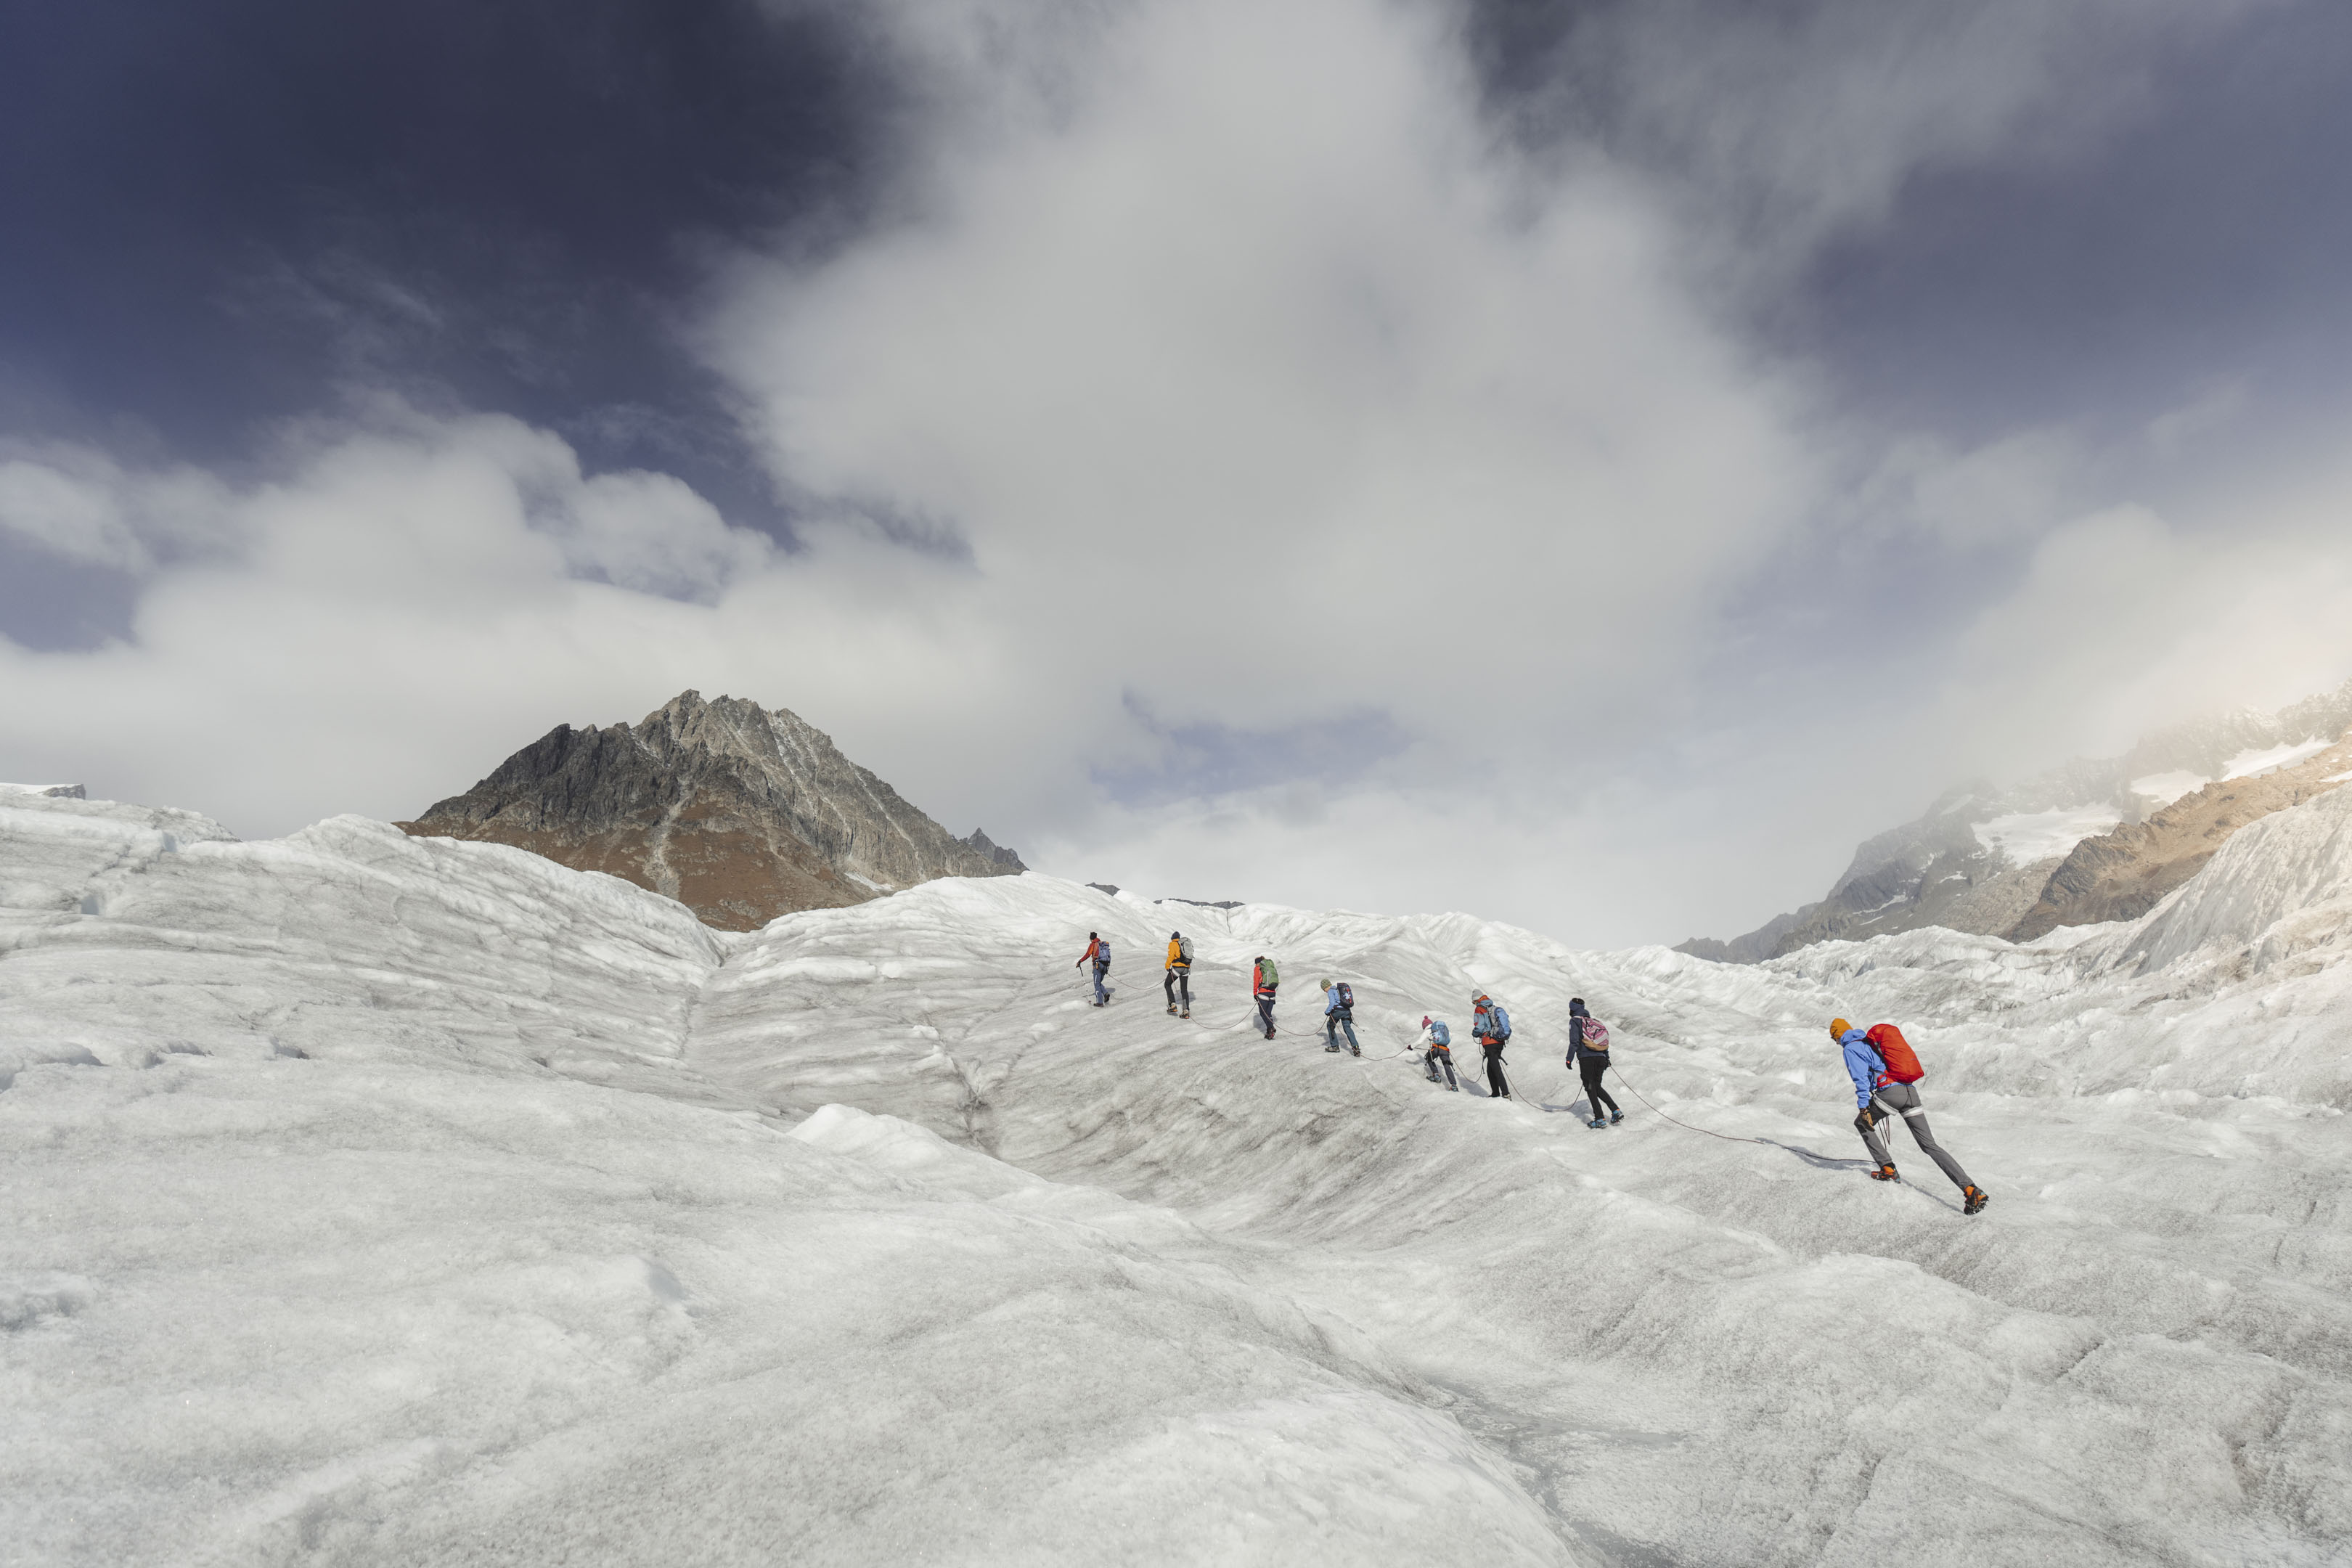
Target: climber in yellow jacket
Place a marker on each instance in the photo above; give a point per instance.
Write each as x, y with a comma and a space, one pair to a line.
1180, 971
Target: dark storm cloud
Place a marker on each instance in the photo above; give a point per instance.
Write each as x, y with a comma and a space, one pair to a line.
1991, 217
2206, 243
220, 212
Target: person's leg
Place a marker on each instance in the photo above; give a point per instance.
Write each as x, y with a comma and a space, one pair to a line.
1168, 988
1590, 1071
1102, 991
1595, 1094
1497, 1087
1451, 1081
1348, 1024
1184, 985
1265, 1015
1904, 1098
1878, 1155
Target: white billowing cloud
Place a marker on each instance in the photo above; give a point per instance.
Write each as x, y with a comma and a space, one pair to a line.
80, 506
2126, 618
1253, 342
404, 606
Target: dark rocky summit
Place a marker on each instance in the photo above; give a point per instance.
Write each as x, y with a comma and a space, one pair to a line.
740, 813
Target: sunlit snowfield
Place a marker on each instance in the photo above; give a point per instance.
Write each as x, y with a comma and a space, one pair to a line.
378, 1200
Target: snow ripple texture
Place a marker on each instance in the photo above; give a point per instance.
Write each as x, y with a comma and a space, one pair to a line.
380, 1200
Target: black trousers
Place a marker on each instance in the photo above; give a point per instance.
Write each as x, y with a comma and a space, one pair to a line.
1178, 977
1266, 1013
1595, 1097
1497, 1085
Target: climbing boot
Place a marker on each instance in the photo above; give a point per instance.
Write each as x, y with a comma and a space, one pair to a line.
1615, 1117
1977, 1198
1185, 1013
1596, 1122
1884, 1173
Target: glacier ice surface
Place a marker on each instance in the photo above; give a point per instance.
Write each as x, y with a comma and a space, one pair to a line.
373, 1199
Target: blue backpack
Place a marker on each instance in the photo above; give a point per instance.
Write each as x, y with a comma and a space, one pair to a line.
1102, 952
1500, 1028
1438, 1033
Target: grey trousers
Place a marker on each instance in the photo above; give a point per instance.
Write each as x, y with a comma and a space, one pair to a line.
1903, 1100
1335, 1022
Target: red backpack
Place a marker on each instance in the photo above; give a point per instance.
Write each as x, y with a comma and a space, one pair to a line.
1902, 1062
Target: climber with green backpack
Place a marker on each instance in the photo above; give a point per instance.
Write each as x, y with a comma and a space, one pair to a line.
1885, 1069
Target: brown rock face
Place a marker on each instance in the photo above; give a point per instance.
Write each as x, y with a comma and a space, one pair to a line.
740, 813
2121, 876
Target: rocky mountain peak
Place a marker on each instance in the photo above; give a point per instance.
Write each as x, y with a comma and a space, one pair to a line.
740, 812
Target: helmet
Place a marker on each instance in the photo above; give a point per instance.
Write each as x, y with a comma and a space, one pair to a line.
1838, 1027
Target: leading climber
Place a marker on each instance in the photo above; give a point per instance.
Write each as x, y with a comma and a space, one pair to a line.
1265, 981
1098, 954
1339, 1013
1492, 1025
1180, 971
1884, 1069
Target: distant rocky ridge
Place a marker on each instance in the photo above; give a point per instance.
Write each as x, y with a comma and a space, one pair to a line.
2094, 839
2121, 876
740, 813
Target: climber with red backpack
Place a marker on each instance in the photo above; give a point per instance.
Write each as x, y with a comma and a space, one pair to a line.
1884, 1070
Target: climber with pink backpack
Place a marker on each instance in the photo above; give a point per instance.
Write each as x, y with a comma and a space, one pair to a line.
1884, 1070
1588, 1052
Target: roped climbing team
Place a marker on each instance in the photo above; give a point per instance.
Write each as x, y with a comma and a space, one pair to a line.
1885, 1069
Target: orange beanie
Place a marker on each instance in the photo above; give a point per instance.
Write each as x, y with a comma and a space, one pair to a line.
1838, 1027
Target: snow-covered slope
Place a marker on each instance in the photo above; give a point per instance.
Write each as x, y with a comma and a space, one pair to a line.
373, 1199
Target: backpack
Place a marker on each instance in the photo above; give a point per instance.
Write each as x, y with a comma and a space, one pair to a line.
1346, 998
1267, 975
1102, 951
1498, 1023
1439, 1035
1184, 949
1902, 1062
1596, 1035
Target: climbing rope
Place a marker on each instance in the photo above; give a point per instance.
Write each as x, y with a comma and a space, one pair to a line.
1637, 1094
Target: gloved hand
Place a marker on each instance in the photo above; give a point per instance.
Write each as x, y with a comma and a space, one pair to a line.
1866, 1118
